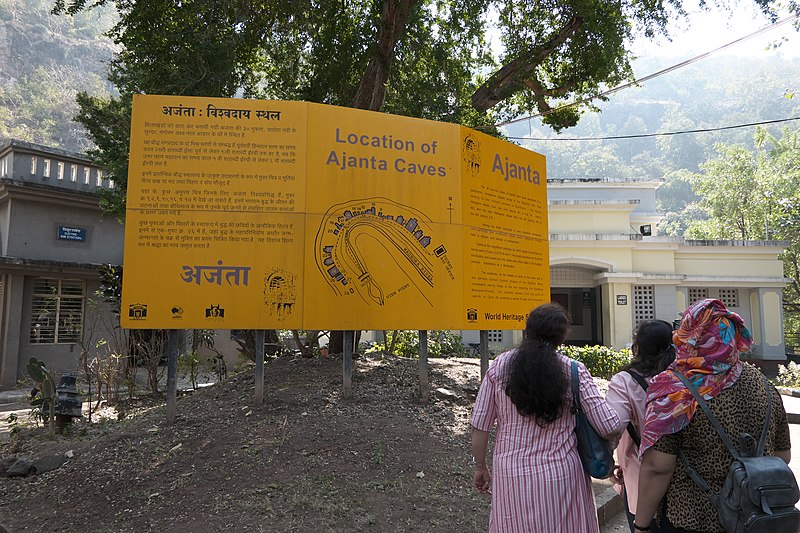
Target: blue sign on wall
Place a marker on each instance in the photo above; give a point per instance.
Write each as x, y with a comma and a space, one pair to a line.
71, 234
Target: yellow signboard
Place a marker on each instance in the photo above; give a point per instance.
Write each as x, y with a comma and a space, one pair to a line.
268, 214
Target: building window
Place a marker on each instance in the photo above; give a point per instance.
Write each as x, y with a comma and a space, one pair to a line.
73, 173
643, 303
60, 170
110, 184
4, 167
697, 294
495, 335
57, 311
86, 173
33, 165
46, 172
730, 297
99, 178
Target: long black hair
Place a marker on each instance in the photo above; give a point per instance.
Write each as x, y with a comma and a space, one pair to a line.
536, 381
652, 348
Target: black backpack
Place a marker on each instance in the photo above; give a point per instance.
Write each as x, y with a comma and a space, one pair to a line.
759, 492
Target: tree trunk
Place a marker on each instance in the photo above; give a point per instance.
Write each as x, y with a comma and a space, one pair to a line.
336, 342
371, 92
509, 79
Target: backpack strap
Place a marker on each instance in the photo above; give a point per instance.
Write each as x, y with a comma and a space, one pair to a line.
634, 434
690, 471
576, 394
643, 384
693, 474
639, 379
707, 410
763, 440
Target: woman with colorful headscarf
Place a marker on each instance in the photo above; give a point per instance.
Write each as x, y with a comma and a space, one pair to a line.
708, 343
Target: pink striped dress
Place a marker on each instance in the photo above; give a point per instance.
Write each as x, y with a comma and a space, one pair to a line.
538, 483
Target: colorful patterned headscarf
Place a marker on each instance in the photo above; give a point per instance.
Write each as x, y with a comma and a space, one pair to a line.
707, 346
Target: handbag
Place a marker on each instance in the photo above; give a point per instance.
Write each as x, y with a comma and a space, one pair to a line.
594, 451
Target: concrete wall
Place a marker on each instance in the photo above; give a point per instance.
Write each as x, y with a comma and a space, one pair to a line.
589, 220
21, 168
737, 261
33, 236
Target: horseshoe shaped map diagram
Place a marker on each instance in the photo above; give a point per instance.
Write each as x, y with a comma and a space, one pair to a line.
351, 232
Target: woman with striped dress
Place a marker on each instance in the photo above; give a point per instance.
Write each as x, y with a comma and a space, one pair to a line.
537, 482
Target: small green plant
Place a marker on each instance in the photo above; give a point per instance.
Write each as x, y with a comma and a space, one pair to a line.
189, 366
601, 361
789, 375
14, 424
377, 453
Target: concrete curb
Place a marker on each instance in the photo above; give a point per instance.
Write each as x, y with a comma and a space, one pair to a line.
793, 418
14, 396
786, 391
609, 504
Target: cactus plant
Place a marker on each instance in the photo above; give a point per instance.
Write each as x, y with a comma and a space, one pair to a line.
46, 398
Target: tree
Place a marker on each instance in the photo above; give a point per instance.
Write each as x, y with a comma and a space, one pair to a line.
755, 194
414, 57
787, 227
726, 191
420, 58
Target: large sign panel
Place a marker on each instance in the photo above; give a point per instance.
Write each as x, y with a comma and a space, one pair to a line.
260, 214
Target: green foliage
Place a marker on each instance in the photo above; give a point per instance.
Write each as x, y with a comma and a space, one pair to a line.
726, 189
676, 191
416, 58
110, 290
48, 59
754, 193
789, 375
189, 366
405, 343
601, 361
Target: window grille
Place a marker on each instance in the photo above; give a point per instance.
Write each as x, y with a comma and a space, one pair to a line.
643, 303
697, 294
57, 311
730, 297
495, 335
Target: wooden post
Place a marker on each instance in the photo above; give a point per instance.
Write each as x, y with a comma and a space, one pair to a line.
424, 392
347, 363
484, 352
172, 374
259, 335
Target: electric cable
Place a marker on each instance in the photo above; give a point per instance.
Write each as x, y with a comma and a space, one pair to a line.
658, 73
660, 134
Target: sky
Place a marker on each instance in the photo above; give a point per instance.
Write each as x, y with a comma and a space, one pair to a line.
704, 31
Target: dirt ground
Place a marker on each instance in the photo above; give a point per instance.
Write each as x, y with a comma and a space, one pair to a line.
305, 460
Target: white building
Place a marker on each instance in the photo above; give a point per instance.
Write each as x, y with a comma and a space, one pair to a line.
610, 276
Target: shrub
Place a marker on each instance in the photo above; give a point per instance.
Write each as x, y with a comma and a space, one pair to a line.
441, 343
789, 376
601, 361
